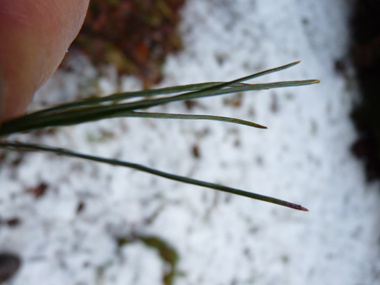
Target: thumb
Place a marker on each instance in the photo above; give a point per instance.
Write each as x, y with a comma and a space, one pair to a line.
35, 36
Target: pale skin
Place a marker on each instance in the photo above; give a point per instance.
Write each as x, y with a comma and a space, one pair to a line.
34, 37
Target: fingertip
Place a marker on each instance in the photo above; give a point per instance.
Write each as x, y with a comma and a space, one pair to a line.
35, 37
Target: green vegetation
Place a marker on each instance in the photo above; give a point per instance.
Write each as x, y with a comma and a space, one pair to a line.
167, 253
113, 106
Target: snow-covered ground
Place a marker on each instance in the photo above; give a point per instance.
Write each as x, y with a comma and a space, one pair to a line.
70, 234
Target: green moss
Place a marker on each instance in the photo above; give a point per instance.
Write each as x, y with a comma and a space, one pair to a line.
167, 253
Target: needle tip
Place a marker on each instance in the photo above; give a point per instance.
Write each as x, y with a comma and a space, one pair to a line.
261, 126
297, 207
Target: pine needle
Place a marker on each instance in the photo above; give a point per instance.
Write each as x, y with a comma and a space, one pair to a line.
65, 152
117, 105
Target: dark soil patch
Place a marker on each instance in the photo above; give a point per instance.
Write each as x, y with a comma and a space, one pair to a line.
365, 54
134, 35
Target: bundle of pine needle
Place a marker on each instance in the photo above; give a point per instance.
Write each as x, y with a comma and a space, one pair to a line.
117, 105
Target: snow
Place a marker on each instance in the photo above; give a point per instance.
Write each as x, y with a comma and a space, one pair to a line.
303, 157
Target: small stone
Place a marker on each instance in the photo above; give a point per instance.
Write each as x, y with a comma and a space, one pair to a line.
9, 265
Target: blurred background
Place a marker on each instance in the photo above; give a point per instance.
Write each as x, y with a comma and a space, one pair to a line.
69, 221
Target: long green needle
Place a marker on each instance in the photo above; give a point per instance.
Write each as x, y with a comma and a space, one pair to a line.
60, 151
